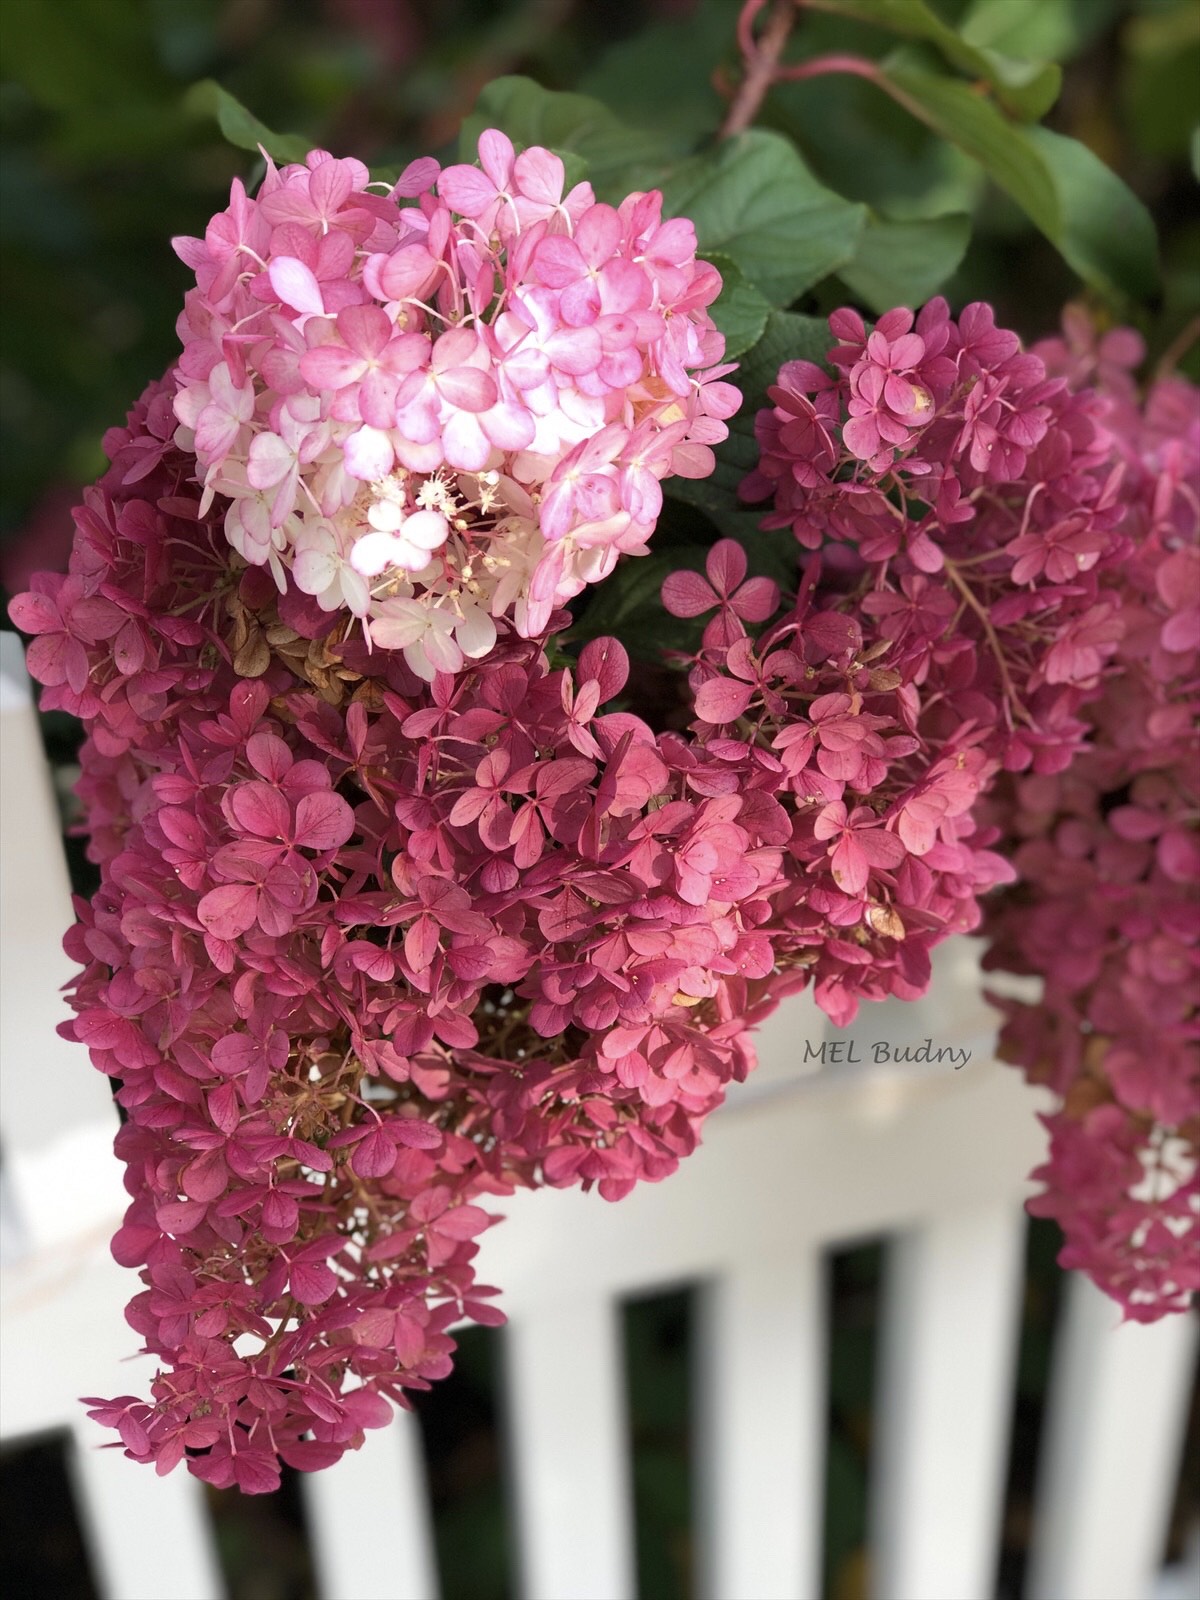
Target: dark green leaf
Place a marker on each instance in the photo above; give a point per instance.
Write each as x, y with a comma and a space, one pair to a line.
754, 199
1105, 233
619, 158
241, 127
787, 337
1055, 30
630, 78
1161, 71
955, 111
740, 311
629, 604
1026, 88
1102, 230
903, 263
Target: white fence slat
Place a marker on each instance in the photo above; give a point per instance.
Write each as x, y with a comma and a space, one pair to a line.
59, 1119
148, 1538
847, 1156
369, 1522
761, 1414
569, 1451
951, 1303
1118, 1408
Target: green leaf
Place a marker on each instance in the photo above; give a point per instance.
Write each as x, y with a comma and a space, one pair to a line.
955, 111
739, 311
628, 604
1105, 233
754, 199
903, 263
1084, 208
619, 158
1026, 88
1102, 230
241, 127
1054, 30
629, 76
1161, 71
1195, 153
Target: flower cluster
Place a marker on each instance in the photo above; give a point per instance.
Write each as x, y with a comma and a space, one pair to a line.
973, 495
823, 713
1028, 545
365, 951
393, 920
445, 412
1108, 908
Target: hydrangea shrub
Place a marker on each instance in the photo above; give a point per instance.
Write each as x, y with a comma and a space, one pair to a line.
410, 896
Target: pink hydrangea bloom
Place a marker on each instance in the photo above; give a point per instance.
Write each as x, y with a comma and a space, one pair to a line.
1018, 559
396, 917
397, 399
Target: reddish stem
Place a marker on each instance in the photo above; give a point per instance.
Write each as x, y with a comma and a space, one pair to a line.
763, 68
761, 57
818, 66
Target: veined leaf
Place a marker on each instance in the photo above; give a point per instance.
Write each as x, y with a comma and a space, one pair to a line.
628, 604
240, 126
1105, 231
754, 199
739, 311
786, 337
1025, 88
903, 263
1053, 30
618, 158
1102, 230
955, 111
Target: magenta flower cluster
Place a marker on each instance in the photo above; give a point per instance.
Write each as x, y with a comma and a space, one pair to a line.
1108, 908
401, 911
365, 951
1019, 536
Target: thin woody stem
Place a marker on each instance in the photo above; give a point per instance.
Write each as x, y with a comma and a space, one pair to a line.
1178, 347
761, 58
820, 66
972, 600
762, 61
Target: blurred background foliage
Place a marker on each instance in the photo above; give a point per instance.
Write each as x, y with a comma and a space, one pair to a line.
108, 148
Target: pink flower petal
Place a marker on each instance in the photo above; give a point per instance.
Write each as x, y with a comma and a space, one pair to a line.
687, 594
323, 821
604, 661
722, 700
296, 286
228, 911
726, 566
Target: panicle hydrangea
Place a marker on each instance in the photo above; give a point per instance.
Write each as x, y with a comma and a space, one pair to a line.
1107, 912
1015, 536
366, 950
386, 930
450, 403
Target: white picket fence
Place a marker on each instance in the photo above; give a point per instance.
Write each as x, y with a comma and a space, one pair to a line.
798, 1162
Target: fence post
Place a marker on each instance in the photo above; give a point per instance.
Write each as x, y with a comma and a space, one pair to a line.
761, 1430
569, 1447
1117, 1412
951, 1306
